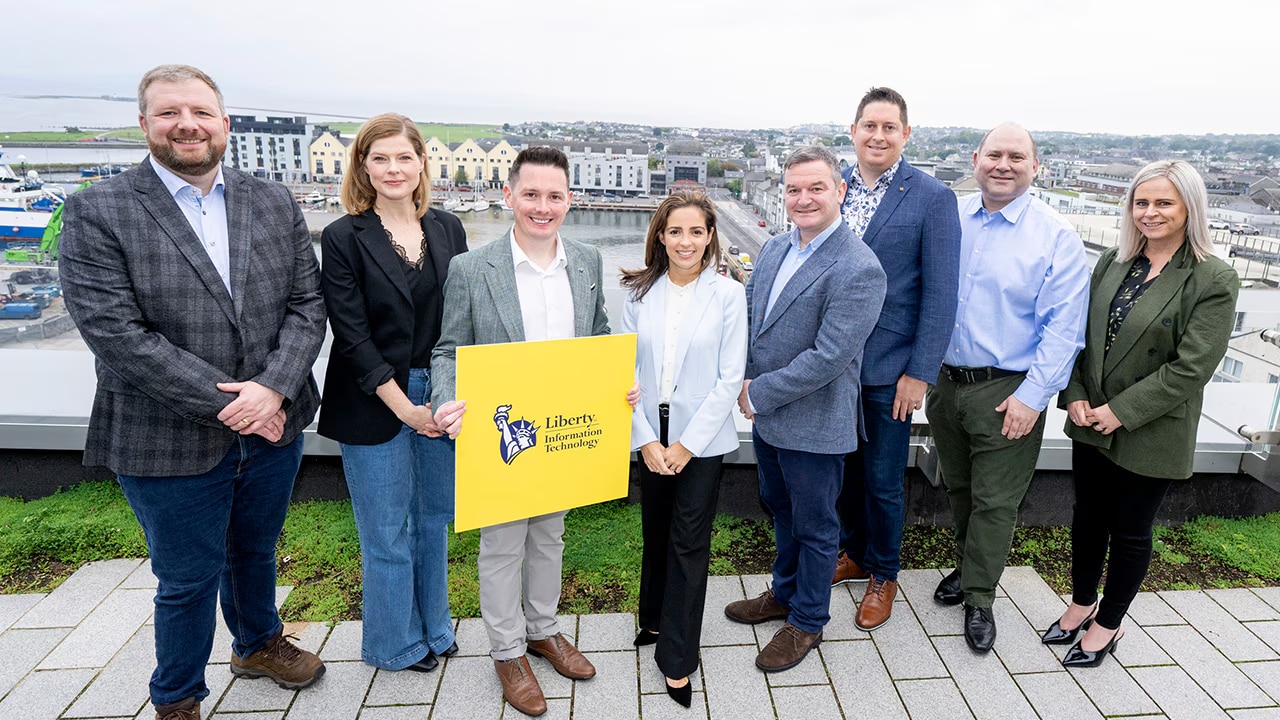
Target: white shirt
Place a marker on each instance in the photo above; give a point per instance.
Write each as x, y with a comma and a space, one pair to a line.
207, 215
546, 301
678, 299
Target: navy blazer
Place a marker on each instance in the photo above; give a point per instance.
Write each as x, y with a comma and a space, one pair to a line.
915, 234
804, 357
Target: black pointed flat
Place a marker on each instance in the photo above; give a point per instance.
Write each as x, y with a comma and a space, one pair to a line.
682, 694
645, 637
1079, 657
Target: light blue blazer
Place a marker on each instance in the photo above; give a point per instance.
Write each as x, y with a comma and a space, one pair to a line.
711, 356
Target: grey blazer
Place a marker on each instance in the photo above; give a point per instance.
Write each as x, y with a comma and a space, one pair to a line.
805, 358
150, 305
482, 306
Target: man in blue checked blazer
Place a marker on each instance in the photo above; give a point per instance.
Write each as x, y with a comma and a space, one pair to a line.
198, 291
813, 299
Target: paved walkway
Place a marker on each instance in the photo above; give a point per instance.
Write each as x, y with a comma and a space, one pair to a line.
85, 651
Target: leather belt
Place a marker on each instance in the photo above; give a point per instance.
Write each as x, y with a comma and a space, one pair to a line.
970, 375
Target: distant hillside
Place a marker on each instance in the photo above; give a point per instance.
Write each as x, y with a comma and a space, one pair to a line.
448, 133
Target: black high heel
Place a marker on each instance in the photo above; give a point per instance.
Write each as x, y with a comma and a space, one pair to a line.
1079, 657
682, 694
1055, 635
645, 637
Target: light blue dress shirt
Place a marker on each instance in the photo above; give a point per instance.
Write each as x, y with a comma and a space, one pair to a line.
207, 215
1023, 296
794, 258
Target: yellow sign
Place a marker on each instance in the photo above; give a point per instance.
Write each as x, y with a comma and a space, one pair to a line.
547, 427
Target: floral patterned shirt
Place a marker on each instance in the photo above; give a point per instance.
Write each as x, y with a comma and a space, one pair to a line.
860, 201
1126, 297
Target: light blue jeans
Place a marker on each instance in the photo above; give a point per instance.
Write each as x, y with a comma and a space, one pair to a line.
402, 495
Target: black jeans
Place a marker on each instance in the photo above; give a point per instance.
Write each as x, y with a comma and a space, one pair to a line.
1117, 507
676, 514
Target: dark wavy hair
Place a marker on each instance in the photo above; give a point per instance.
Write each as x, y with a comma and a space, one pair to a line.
639, 282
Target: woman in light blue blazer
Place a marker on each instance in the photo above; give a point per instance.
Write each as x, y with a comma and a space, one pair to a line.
690, 357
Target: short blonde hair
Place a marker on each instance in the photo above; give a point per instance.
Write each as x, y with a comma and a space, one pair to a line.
1190, 187
358, 194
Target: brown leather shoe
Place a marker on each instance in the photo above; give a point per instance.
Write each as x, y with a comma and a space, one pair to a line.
289, 665
848, 571
757, 609
187, 709
877, 603
563, 656
787, 648
519, 686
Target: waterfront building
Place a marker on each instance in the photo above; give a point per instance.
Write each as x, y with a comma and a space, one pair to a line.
658, 183
1112, 179
686, 161
277, 148
607, 167
328, 155
499, 154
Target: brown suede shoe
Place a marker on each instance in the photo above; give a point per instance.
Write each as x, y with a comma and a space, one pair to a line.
289, 665
756, 610
848, 571
187, 709
563, 656
787, 648
877, 603
519, 686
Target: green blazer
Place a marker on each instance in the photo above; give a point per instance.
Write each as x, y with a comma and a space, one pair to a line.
1165, 353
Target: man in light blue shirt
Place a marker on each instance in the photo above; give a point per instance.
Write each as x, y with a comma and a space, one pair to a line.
1020, 321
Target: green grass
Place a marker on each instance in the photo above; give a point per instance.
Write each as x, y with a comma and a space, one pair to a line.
447, 133
1250, 544
53, 136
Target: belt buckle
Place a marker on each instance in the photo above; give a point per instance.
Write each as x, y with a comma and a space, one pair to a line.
664, 409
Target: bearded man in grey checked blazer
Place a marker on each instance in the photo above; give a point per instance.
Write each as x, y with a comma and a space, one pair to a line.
198, 291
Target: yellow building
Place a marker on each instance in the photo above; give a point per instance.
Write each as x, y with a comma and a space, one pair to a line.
500, 155
486, 161
328, 156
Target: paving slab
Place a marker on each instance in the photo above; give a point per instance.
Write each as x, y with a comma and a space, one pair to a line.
1149, 608
336, 696
1265, 675
936, 699
1017, 643
43, 695
253, 694
1033, 596
1268, 631
141, 577
343, 642
1112, 690
398, 712
396, 687
78, 595
1225, 632
102, 633
1056, 696
808, 702
1137, 648
267, 715
472, 638
906, 650
844, 613
917, 587
611, 631
1243, 604
570, 627
22, 650
862, 684
1216, 675
736, 690
469, 688
122, 686
984, 681
13, 607
660, 707
716, 628
753, 585
613, 692
1256, 714
1177, 694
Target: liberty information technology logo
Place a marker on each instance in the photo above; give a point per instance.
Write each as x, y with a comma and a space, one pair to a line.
517, 436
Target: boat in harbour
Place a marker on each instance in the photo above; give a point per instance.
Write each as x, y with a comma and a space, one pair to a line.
463, 207
480, 204
26, 205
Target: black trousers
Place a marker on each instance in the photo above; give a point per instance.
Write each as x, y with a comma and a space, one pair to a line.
1113, 507
676, 513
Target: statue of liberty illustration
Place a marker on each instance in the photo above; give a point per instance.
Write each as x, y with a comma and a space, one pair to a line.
517, 436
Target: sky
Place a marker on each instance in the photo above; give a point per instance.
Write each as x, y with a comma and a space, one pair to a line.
1143, 67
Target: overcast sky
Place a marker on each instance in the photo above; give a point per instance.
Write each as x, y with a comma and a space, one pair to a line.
1124, 66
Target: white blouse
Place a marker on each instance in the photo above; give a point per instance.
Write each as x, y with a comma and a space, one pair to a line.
677, 303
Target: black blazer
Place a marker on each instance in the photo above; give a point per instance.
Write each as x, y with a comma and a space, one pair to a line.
371, 314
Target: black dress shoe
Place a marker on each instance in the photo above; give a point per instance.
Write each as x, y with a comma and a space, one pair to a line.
949, 592
453, 650
426, 664
979, 628
1079, 657
682, 694
645, 637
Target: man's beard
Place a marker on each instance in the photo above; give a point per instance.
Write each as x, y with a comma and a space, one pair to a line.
167, 156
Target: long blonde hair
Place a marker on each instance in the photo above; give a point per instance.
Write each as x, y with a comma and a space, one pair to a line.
1190, 188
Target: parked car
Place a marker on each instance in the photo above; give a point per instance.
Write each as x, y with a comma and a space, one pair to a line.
50, 290
20, 311
1219, 225
760, 223
34, 276
1244, 229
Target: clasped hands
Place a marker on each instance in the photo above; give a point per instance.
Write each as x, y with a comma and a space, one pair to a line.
1099, 418
255, 411
665, 461
449, 415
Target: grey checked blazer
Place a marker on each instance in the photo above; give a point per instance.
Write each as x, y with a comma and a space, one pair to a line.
482, 306
804, 358
151, 307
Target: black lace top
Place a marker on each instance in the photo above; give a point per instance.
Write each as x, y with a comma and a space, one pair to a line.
1126, 297
428, 304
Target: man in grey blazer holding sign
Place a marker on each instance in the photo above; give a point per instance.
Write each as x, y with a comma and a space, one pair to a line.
531, 284
813, 299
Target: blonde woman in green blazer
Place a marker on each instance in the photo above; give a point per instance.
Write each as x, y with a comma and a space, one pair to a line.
1160, 314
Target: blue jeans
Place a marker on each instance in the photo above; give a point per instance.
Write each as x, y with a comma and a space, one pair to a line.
402, 495
208, 535
872, 500
800, 489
